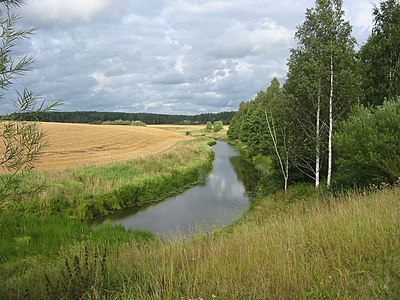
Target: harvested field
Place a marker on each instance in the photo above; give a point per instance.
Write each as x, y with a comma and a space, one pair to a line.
192, 128
179, 128
77, 145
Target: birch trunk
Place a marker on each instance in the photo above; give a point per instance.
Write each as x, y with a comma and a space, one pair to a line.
318, 141
274, 137
330, 136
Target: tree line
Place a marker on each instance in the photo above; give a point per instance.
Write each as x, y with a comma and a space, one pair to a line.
95, 117
336, 120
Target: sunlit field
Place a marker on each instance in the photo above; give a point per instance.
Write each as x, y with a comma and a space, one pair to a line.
77, 145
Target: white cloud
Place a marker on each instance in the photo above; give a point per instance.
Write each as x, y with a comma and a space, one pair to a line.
62, 12
360, 13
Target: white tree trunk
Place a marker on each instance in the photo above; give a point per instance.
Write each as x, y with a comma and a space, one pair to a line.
274, 137
330, 136
318, 143
287, 170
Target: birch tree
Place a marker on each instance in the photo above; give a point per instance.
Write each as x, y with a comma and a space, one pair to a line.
280, 145
273, 105
322, 83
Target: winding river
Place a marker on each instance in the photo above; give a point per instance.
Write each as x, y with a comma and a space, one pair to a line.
219, 201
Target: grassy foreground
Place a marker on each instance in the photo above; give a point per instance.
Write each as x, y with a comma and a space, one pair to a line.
338, 248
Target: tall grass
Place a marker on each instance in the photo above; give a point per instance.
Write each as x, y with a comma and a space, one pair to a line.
28, 243
340, 249
345, 248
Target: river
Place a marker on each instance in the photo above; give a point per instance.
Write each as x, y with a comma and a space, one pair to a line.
219, 201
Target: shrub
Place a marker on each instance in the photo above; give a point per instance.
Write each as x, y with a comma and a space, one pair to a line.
117, 122
368, 146
138, 123
218, 126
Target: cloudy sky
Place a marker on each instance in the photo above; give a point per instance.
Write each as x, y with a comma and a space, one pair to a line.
164, 56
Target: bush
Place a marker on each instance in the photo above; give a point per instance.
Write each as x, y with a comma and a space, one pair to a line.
209, 126
117, 122
368, 146
218, 126
138, 123
124, 122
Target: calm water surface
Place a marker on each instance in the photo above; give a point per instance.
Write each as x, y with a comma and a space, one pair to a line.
218, 202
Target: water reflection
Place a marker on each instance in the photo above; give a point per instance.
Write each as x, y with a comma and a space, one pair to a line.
218, 202
246, 173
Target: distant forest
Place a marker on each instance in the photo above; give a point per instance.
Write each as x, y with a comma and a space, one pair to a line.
95, 117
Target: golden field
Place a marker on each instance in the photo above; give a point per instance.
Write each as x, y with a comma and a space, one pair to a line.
77, 145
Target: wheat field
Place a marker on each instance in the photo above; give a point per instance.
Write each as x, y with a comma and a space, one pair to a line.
77, 145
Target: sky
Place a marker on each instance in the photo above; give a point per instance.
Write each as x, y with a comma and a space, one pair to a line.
163, 56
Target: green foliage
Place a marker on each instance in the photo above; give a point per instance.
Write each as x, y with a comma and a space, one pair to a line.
249, 124
209, 125
218, 126
117, 122
124, 122
260, 136
84, 277
138, 123
368, 146
31, 241
42, 237
380, 55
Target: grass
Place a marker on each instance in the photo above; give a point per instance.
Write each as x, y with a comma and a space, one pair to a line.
338, 249
29, 243
87, 193
334, 248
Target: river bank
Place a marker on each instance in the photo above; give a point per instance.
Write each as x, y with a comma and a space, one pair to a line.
218, 201
90, 192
